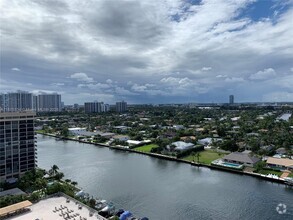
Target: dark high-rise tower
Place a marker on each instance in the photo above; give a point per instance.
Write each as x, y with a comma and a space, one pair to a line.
231, 99
17, 144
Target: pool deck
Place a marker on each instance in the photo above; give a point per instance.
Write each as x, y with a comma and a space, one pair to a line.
46, 210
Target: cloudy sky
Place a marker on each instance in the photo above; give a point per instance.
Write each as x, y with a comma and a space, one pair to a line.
151, 51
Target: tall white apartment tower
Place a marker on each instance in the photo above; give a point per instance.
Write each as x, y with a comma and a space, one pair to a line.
121, 106
17, 101
49, 103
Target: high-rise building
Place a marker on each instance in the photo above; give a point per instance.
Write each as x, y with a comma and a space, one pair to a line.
49, 103
95, 107
121, 106
17, 144
17, 101
231, 99
2, 102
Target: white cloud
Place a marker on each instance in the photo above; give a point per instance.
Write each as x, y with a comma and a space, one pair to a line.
57, 84
122, 91
109, 81
206, 68
221, 76
138, 88
291, 69
15, 69
278, 97
234, 79
82, 77
265, 74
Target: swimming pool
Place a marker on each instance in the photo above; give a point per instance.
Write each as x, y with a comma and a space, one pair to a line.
231, 164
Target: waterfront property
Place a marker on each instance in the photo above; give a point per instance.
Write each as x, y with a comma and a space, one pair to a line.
146, 148
242, 158
280, 163
57, 208
223, 163
146, 184
206, 156
180, 146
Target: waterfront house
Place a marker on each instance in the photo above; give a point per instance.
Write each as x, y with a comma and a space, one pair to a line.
281, 151
77, 131
180, 146
280, 163
121, 137
188, 138
267, 148
243, 158
208, 141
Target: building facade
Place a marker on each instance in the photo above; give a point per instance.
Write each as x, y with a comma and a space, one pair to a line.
231, 99
16, 101
121, 106
96, 107
17, 144
49, 103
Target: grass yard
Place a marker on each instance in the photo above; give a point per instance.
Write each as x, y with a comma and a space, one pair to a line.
146, 148
206, 156
266, 172
291, 175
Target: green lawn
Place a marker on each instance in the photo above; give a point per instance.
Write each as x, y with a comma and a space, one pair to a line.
206, 156
266, 172
146, 148
291, 175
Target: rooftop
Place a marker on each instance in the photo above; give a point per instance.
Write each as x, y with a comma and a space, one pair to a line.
241, 157
280, 161
14, 191
58, 208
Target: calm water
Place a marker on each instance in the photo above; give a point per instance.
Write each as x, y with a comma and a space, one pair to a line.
162, 189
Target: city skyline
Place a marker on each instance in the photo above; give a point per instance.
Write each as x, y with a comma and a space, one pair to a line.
149, 51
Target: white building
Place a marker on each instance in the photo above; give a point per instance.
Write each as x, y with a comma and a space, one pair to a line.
49, 103
16, 101
96, 107
121, 106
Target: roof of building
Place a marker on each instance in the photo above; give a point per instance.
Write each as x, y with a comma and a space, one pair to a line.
180, 145
120, 136
280, 161
12, 208
14, 191
76, 129
241, 157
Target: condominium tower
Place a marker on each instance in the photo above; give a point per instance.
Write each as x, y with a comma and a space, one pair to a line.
49, 103
16, 101
96, 107
121, 106
231, 99
17, 144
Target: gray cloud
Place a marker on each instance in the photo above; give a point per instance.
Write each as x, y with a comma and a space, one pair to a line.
203, 55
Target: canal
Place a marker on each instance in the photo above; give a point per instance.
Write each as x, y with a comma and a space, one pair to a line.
161, 189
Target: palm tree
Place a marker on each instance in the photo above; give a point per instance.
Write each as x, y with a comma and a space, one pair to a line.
67, 180
54, 170
74, 183
59, 176
197, 155
193, 154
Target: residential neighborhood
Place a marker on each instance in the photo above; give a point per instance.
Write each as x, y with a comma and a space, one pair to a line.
250, 138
